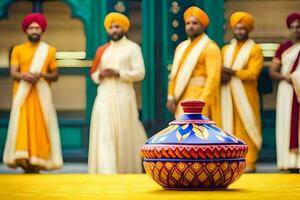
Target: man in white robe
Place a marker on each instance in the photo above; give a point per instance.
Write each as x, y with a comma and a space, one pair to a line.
285, 68
116, 134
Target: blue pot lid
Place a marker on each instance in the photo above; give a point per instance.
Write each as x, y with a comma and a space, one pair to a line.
193, 128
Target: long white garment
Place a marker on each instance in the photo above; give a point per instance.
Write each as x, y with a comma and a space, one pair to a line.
234, 92
49, 113
116, 134
286, 159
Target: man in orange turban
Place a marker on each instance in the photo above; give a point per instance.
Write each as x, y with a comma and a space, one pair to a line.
33, 135
196, 67
116, 134
242, 64
244, 18
198, 13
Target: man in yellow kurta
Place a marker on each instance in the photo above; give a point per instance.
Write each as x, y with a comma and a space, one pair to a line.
196, 67
243, 61
33, 137
116, 134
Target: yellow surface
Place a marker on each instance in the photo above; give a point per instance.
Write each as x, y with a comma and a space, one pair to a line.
249, 186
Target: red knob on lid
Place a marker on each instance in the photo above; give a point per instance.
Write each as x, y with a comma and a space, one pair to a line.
192, 106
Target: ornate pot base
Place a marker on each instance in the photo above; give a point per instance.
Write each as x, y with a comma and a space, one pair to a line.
192, 153
193, 175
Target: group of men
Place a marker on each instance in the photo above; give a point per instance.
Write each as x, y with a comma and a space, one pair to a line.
225, 79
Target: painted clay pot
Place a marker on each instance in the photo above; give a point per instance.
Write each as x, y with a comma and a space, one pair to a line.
193, 153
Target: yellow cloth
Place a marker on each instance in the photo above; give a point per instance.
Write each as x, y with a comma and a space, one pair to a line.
244, 18
198, 13
208, 66
82, 186
32, 135
249, 76
118, 18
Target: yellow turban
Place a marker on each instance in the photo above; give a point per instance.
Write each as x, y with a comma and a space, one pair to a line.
198, 13
244, 18
118, 18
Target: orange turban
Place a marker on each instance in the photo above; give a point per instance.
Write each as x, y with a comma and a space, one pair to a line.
118, 18
244, 18
198, 13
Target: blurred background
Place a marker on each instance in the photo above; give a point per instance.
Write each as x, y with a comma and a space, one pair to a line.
75, 28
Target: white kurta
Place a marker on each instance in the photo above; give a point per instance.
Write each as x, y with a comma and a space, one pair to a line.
116, 134
286, 159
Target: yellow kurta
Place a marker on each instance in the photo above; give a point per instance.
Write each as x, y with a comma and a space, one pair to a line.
249, 76
208, 68
32, 135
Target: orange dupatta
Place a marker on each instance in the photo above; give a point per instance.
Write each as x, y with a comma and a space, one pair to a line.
98, 56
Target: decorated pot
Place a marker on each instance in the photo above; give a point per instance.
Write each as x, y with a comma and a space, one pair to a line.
193, 153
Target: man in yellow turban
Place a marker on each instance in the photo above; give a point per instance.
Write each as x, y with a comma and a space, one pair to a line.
119, 19
242, 64
196, 67
116, 134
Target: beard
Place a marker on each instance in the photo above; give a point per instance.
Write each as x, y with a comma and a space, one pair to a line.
241, 37
116, 36
34, 38
193, 33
